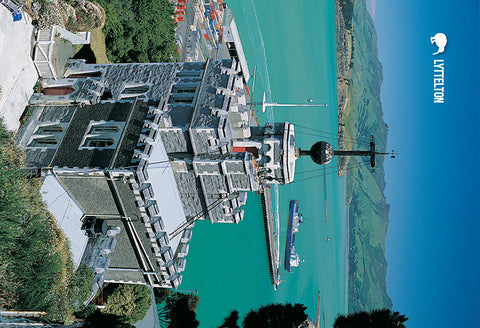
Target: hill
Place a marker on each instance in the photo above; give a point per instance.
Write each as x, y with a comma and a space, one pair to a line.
361, 118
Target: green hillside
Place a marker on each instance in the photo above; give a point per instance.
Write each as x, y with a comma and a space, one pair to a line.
368, 208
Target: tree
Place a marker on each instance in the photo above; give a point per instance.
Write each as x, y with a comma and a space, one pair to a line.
276, 315
139, 31
161, 294
231, 320
81, 287
129, 302
177, 309
107, 320
374, 319
180, 313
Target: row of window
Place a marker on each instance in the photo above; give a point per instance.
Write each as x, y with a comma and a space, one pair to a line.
99, 135
183, 93
102, 135
90, 142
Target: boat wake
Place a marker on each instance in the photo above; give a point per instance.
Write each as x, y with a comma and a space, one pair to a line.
249, 15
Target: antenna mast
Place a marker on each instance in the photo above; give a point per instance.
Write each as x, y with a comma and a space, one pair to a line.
322, 153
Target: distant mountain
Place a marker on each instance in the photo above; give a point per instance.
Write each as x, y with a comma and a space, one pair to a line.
368, 208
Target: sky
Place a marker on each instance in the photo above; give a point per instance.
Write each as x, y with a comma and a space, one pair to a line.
432, 186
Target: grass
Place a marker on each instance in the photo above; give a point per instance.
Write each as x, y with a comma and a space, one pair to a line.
97, 43
36, 265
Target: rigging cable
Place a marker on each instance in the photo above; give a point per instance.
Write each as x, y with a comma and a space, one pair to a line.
333, 134
349, 166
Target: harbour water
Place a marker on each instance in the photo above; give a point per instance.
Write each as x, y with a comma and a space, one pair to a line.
293, 45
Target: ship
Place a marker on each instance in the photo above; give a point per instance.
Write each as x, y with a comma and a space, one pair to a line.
294, 219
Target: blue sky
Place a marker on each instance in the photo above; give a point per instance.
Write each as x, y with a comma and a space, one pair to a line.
433, 186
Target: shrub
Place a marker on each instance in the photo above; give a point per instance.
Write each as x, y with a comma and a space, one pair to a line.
81, 287
129, 302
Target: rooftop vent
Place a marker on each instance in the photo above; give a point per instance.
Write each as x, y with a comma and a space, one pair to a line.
94, 227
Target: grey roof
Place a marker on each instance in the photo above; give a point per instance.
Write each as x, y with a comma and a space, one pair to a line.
85, 91
128, 200
208, 168
217, 214
123, 256
200, 137
235, 167
190, 193
278, 152
133, 128
180, 114
124, 276
69, 154
42, 114
214, 185
91, 193
159, 75
175, 140
240, 182
130, 112
207, 94
56, 113
40, 157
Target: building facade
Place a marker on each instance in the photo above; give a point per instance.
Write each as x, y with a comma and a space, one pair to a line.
133, 154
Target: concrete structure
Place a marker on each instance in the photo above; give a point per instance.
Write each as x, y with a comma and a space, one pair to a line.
44, 49
17, 71
134, 154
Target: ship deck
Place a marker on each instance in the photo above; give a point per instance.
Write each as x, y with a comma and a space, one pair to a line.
270, 236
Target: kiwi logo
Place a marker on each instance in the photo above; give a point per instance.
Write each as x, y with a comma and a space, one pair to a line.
440, 40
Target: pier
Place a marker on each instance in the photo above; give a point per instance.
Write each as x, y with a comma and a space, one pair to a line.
270, 236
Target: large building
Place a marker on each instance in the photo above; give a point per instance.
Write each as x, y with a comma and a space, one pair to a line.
133, 154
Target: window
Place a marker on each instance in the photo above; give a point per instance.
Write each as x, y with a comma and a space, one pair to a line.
136, 89
104, 128
99, 142
189, 73
44, 142
180, 100
183, 93
47, 134
139, 91
50, 129
184, 88
102, 135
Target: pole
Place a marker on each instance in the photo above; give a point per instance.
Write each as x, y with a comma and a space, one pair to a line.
265, 104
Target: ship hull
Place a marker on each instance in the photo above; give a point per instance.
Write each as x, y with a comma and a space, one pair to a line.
290, 243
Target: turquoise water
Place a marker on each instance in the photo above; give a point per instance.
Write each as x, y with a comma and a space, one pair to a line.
293, 45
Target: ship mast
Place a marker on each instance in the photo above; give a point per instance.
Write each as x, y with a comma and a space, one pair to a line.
266, 104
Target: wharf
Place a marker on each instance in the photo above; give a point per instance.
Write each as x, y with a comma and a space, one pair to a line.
270, 236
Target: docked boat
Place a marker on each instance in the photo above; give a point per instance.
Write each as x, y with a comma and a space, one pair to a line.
294, 219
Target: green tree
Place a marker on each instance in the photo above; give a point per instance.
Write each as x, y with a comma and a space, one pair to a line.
374, 319
161, 294
107, 320
276, 315
81, 287
178, 310
231, 321
35, 260
180, 314
139, 31
129, 302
